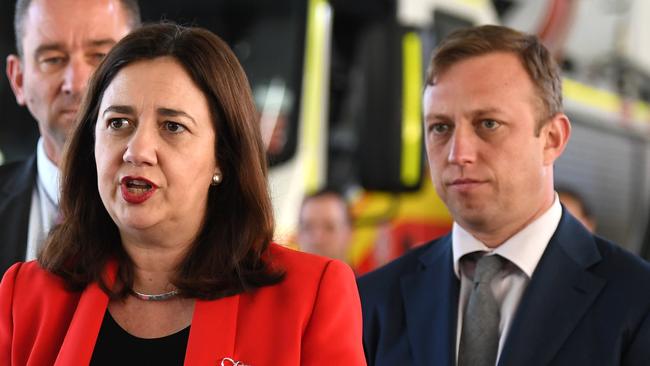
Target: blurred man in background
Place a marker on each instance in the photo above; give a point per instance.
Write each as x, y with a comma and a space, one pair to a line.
325, 224
59, 44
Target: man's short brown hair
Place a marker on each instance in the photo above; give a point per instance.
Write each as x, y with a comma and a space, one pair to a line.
535, 58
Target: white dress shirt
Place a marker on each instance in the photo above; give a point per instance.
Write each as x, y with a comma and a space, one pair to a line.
45, 202
523, 251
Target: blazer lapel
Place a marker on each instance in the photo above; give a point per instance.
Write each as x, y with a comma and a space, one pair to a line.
430, 301
15, 205
213, 331
560, 292
79, 342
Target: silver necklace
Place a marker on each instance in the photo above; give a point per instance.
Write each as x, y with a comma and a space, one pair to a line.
154, 297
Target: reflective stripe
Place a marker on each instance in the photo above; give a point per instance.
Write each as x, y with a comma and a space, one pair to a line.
411, 164
314, 107
597, 98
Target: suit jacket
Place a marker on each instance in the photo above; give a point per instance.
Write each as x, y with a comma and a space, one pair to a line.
588, 303
313, 317
17, 182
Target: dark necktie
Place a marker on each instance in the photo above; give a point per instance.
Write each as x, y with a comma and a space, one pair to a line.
479, 340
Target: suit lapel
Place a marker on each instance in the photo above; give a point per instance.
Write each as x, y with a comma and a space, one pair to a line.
79, 342
213, 331
15, 204
560, 292
430, 300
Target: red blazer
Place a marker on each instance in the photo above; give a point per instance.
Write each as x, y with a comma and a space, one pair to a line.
313, 317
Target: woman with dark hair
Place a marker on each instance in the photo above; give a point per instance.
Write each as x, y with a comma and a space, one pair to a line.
164, 253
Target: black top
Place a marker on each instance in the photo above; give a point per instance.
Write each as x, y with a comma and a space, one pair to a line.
115, 346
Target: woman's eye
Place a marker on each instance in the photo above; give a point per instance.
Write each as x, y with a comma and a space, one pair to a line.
173, 127
118, 123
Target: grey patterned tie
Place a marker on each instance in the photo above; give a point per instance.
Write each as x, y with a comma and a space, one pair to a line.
479, 340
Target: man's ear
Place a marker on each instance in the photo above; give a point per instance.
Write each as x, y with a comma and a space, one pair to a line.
555, 133
15, 76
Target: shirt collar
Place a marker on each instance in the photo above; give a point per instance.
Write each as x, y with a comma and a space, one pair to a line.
524, 249
48, 173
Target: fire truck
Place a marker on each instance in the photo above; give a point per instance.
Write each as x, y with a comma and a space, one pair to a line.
338, 86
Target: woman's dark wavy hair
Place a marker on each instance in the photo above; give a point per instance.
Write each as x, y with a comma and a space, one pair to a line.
229, 254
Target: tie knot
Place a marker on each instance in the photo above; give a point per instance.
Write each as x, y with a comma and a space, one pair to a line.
487, 267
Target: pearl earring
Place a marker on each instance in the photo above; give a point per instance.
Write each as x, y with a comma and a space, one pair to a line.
216, 179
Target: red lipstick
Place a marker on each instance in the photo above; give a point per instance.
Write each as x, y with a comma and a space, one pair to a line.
137, 189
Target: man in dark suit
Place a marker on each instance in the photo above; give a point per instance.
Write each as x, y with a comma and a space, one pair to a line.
59, 44
518, 281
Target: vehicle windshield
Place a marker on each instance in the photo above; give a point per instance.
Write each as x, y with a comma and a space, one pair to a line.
268, 39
